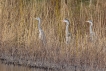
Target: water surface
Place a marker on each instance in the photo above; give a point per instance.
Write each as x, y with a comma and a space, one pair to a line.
6, 67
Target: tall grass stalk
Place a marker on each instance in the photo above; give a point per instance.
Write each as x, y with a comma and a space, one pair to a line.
19, 31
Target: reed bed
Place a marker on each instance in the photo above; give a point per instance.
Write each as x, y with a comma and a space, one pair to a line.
19, 31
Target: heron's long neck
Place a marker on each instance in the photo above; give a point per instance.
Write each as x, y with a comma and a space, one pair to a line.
67, 26
39, 25
90, 29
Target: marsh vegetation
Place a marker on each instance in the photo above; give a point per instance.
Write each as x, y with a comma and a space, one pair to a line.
19, 31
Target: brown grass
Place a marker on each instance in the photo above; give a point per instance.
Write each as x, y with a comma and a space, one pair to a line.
19, 31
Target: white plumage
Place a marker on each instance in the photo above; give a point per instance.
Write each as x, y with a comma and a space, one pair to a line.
92, 34
41, 33
68, 35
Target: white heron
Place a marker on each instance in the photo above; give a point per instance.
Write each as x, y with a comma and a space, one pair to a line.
92, 34
41, 33
68, 35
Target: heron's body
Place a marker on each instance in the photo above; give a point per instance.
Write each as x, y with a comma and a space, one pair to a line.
68, 35
41, 33
92, 34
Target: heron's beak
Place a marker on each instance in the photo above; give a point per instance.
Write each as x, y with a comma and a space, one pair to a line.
35, 18
61, 20
87, 21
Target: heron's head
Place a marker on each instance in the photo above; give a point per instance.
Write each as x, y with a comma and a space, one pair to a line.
66, 21
90, 21
37, 18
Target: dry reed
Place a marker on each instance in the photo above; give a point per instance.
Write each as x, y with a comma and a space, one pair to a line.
19, 31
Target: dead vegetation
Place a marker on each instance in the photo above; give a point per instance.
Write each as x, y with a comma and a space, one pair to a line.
19, 31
